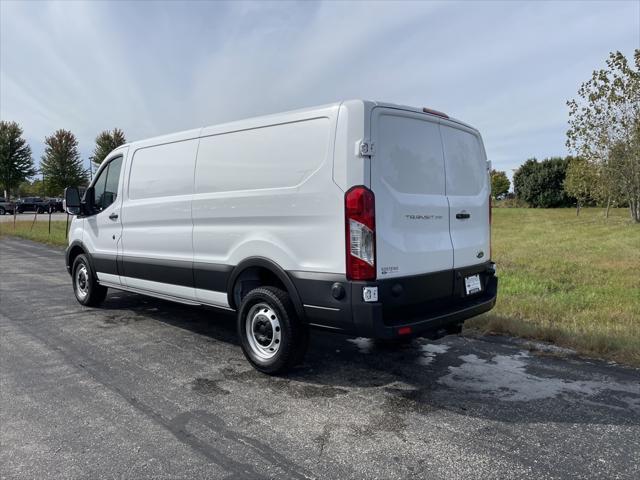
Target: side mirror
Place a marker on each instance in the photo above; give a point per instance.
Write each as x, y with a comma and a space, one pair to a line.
72, 200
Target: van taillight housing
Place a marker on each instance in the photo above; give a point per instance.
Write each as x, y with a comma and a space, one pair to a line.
360, 232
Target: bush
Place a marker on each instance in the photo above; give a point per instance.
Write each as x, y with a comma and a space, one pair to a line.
541, 184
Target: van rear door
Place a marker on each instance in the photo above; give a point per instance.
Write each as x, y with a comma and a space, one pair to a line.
467, 189
409, 184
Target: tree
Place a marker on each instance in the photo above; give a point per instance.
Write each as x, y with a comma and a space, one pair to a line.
106, 142
499, 184
604, 126
522, 176
624, 171
16, 164
61, 163
31, 189
581, 181
541, 184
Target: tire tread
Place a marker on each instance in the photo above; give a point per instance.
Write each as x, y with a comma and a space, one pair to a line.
298, 335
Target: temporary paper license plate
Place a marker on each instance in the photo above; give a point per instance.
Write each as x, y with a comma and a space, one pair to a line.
472, 284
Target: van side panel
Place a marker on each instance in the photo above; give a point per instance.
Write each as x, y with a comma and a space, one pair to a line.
267, 192
156, 216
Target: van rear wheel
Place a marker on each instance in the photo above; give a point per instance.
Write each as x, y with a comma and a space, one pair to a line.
85, 285
272, 337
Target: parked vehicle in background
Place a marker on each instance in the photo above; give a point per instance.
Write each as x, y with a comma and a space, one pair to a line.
56, 204
359, 217
32, 204
6, 206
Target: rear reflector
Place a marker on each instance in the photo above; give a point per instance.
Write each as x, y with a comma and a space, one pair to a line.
404, 330
360, 232
435, 112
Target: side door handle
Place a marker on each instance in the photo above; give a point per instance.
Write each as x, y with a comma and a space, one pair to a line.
463, 215
113, 216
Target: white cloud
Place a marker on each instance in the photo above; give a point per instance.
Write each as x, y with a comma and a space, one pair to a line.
153, 68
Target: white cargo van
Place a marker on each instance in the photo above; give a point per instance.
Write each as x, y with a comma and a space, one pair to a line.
359, 217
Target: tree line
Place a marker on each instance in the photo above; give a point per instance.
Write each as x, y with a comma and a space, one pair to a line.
60, 165
604, 140
537, 184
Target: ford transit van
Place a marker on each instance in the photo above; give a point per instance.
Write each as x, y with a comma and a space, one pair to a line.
360, 218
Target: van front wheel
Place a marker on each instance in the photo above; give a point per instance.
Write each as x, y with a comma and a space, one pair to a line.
272, 337
87, 290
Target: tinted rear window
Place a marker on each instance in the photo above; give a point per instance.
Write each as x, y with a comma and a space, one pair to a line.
409, 155
466, 164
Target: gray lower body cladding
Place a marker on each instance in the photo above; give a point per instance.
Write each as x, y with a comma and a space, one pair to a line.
424, 303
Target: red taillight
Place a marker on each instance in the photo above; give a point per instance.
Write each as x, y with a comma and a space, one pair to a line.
360, 232
404, 331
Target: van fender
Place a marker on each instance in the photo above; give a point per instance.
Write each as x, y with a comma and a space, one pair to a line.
274, 268
73, 246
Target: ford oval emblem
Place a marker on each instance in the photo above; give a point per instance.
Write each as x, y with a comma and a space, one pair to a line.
480, 254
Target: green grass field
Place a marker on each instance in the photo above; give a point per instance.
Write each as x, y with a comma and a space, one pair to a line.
38, 232
571, 281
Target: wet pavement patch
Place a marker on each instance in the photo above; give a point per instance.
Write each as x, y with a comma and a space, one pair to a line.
301, 390
110, 320
507, 378
205, 386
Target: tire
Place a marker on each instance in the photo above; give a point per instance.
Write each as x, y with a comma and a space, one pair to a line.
272, 337
2, 211
39, 210
393, 343
85, 286
455, 329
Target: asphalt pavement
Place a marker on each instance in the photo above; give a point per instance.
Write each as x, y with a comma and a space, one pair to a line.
143, 388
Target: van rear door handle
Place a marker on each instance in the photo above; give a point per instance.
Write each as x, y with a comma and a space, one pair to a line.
463, 215
113, 216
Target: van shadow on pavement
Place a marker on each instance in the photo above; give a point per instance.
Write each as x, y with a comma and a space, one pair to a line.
495, 378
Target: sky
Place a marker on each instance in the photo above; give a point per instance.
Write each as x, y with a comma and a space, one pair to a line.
506, 68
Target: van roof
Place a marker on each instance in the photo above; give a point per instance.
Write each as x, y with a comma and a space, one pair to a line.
421, 110
251, 122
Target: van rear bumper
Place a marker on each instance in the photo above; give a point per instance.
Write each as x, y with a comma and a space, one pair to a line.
375, 321
414, 305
